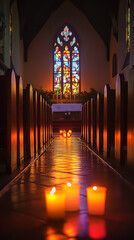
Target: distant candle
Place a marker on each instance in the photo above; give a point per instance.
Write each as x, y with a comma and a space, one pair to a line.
68, 134
61, 131
64, 134
55, 203
96, 197
72, 196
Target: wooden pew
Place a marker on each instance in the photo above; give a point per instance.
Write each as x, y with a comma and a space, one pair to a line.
20, 138
28, 122
35, 113
99, 125
121, 119
130, 126
89, 121
93, 122
109, 122
40, 122
85, 124
8, 122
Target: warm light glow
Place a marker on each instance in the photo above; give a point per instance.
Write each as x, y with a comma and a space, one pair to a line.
53, 191
96, 197
68, 134
97, 228
61, 131
64, 135
69, 184
55, 203
72, 196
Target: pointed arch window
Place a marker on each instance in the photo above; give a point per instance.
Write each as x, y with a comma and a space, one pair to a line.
66, 62
128, 26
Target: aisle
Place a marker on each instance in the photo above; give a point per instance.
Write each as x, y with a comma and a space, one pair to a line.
22, 208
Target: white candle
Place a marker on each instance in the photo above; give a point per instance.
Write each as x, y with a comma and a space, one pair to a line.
61, 132
96, 197
55, 203
72, 196
68, 134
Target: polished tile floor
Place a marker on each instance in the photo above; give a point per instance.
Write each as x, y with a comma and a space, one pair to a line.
22, 207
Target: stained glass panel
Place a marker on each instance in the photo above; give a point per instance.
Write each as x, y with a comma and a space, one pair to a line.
57, 83
75, 54
66, 63
66, 71
75, 88
75, 71
57, 67
66, 33
57, 70
57, 54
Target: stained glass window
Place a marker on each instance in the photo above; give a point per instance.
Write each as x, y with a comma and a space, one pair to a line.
128, 27
66, 62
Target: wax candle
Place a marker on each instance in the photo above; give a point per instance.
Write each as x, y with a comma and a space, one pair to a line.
68, 134
61, 131
72, 196
96, 197
55, 203
64, 135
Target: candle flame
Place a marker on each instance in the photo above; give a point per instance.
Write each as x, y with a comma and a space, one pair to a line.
69, 184
53, 191
94, 188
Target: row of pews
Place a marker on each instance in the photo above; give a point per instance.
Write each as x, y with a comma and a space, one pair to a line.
104, 121
25, 122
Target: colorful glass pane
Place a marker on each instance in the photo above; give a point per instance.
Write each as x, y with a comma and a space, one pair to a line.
66, 89
75, 88
57, 83
59, 41
73, 41
66, 33
66, 71
57, 67
75, 71
66, 64
75, 54
75, 67
66, 55
57, 70
57, 54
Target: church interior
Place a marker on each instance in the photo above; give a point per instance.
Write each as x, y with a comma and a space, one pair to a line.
66, 119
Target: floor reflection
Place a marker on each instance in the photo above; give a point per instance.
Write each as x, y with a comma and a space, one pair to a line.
23, 210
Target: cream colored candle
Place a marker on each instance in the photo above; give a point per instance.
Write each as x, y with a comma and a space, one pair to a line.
68, 134
61, 131
96, 197
55, 203
64, 135
72, 196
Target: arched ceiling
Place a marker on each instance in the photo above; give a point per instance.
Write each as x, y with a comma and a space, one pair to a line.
102, 14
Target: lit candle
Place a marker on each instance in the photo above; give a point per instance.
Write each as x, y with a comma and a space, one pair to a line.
96, 197
72, 196
64, 134
68, 134
55, 203
61, 131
